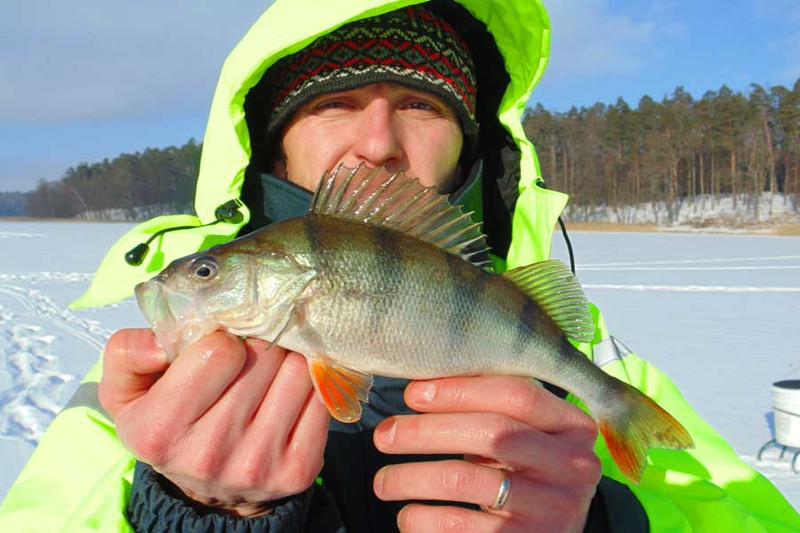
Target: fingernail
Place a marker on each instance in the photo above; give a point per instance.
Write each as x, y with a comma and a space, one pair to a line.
378, 483
387, 434
162, 357
401, 518
426, 392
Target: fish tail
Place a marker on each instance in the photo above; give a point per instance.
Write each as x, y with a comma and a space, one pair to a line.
634, 425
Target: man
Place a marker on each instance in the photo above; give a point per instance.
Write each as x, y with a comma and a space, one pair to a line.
231, 436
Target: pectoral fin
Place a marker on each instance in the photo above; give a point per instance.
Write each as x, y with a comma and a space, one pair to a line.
341, 388
294, 318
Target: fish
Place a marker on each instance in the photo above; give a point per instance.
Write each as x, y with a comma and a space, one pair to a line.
384, 276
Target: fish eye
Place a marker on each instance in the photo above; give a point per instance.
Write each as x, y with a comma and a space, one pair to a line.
204, 267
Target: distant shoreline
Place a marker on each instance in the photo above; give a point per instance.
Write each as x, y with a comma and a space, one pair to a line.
785, 230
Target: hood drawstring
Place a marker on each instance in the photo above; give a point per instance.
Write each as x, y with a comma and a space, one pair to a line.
540, 182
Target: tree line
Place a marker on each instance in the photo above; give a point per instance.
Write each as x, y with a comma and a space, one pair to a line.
612, 156
667, 152
131, 186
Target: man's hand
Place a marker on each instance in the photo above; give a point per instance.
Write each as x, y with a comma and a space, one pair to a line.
545, 443
232, 425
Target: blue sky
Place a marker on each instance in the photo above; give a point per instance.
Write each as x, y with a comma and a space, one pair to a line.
90, 79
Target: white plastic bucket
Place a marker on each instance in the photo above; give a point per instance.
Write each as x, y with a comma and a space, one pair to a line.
786, 404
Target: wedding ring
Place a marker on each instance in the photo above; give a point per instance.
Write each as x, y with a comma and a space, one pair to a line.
502, 492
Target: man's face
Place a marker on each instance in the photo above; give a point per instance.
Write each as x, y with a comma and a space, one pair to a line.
379, 124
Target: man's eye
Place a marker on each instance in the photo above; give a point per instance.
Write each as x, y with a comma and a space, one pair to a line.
331, 104
422, 105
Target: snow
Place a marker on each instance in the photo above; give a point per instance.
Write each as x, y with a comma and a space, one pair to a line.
706, 212
717, 312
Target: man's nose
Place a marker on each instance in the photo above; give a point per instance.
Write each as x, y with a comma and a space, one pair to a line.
379, 141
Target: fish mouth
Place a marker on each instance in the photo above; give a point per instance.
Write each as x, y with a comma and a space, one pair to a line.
175, 317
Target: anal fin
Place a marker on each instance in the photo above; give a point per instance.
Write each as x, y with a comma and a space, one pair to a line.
341, 388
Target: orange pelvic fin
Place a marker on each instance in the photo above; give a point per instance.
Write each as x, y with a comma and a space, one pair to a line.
341, 388
636, 426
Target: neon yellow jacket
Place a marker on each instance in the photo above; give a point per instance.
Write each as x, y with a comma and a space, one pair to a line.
79, 477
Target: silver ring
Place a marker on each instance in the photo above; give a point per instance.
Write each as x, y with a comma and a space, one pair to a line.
502, 492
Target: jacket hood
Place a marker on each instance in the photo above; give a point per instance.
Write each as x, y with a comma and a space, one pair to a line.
287, 26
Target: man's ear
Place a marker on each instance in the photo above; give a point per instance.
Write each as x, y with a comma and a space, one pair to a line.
279, 169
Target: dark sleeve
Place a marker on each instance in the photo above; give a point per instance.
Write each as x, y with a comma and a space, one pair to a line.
615, 509
154, 506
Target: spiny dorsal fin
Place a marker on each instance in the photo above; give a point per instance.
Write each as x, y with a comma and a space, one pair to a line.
552, 285
396, 201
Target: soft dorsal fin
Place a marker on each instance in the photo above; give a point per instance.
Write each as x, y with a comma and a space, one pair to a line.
552, 285
396, 201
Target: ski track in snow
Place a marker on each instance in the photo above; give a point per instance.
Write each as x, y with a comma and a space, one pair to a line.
14, 235
667, 266
696, 269
598, 266
46, 277
687, 288
28, 362
40, 305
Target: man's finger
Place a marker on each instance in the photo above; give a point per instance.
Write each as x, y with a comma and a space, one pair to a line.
515, 397
286, 399
243, 398
196, 379
452, 481
417, 518
312, 424
132, 362
488, 435
461, 481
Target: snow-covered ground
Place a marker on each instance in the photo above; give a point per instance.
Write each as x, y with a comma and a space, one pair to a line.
718, 313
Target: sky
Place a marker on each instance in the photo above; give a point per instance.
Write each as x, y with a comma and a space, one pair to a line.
86, 80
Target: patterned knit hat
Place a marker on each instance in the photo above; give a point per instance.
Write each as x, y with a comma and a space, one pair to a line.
410, 47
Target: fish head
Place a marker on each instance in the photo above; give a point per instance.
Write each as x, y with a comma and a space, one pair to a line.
197, 295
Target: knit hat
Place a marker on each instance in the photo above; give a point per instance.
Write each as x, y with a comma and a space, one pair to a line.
412, 47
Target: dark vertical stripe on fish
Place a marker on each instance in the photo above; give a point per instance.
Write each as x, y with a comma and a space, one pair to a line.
312, 237
468, 285
389, 271
525, 320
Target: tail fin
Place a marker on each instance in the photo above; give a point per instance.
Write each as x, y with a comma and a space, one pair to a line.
635, 425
